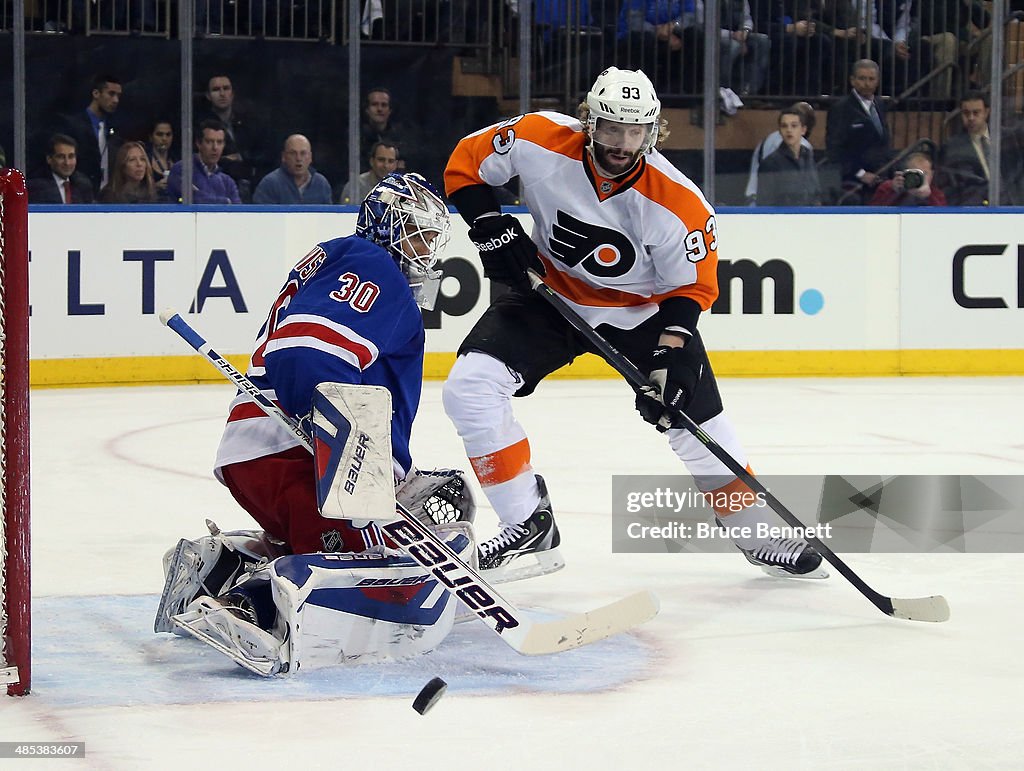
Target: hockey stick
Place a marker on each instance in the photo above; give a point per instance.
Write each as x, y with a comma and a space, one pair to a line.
934, 608
434, 555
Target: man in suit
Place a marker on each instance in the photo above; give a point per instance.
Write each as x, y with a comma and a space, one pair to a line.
964, 159
93, 130
63, 184
857, 139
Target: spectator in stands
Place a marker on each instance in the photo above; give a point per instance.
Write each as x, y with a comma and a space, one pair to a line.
857, 139
383, 161
741, 48
888, 26
975, 21
662, 38
160, 154
209, 182
904, 188
216, 17
131, 180
63, 183
935, 25
896, 42
801, 49
964, 158
243, 155
295, 181
378, 125
94, 131
788, 177
773, 142
840, 23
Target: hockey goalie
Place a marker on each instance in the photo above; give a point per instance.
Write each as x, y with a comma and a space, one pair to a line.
341, 351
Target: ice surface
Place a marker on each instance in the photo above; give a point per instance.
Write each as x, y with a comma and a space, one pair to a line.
738, 671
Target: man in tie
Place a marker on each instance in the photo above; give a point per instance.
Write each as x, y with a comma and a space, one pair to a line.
964, 158
857, 139
63, 184
94, 130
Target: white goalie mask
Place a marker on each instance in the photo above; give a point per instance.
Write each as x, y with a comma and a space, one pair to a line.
405, 215
623, 119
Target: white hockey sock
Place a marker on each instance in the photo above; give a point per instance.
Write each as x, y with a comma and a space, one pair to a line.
477, 397
743, 526
516, 499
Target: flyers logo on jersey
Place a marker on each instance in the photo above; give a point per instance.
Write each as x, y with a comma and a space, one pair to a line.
602, 252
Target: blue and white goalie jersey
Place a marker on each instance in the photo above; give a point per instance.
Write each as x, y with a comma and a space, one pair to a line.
346, 315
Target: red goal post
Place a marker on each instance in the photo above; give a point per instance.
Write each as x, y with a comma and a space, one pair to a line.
15, 589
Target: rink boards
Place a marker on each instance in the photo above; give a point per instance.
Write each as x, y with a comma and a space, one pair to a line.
829, 293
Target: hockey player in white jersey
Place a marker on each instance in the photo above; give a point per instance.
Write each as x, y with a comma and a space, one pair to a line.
342, 352
631, 244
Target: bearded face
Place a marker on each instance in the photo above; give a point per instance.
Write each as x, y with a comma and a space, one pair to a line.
617, 146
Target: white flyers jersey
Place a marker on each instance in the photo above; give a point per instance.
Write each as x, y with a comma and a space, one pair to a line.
614, 248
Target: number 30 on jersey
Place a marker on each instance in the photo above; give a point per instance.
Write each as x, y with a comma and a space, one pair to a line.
358, 293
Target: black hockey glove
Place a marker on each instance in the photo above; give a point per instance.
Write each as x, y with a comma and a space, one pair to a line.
505, 250
674, 375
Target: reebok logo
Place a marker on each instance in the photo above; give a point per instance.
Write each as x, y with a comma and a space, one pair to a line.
497, 242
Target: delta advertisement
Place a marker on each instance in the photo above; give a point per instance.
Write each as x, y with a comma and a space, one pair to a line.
800, 294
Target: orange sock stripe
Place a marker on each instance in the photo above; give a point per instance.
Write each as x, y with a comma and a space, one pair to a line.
731, 492
503, 465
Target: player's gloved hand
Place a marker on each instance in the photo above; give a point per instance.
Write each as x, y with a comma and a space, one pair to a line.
505, 250
674, 375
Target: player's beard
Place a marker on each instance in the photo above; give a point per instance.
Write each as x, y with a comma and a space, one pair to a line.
614, 161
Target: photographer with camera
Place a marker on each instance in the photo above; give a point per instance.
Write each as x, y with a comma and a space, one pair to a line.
913, 186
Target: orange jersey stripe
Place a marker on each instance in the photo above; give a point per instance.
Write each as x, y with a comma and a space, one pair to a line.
503, 465
687, 205
469, 155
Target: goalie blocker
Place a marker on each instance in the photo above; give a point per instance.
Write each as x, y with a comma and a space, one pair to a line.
279, 615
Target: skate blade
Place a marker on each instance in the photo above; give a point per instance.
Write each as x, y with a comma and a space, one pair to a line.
776, 572
525, 566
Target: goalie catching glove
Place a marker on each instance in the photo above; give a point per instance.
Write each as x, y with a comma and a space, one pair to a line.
505, 250
674, 375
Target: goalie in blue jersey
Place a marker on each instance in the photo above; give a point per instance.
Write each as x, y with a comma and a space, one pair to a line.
341, 351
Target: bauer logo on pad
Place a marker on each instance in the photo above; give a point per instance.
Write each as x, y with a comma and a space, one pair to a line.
352, 452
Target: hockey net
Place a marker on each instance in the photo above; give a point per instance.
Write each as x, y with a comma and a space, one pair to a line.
15, 630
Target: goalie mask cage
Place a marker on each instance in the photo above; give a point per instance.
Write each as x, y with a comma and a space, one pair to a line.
15, 630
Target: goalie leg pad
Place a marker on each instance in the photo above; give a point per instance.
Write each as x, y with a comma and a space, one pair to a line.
352, 608
331, 609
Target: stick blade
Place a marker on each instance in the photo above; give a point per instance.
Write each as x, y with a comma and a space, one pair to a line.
584, 628
934, 608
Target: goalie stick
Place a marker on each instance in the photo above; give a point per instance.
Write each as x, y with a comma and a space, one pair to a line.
520, 633
934, 608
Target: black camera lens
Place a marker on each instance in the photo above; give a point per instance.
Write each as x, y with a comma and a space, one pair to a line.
913, 179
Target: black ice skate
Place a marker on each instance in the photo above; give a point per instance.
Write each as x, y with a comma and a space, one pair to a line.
787, 558
523, 550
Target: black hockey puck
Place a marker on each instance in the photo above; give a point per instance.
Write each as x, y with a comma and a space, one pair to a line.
429, 695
